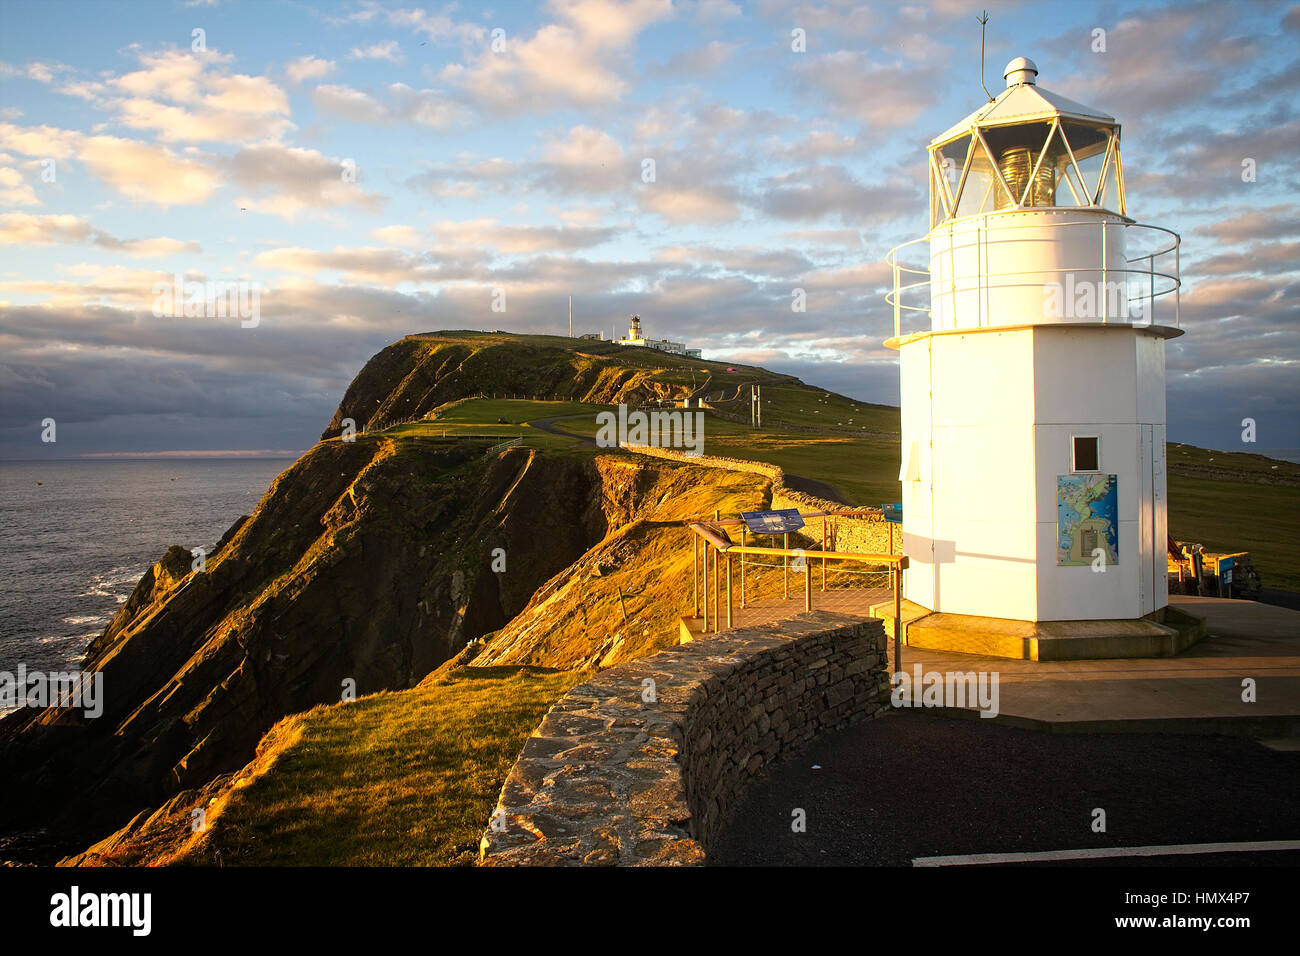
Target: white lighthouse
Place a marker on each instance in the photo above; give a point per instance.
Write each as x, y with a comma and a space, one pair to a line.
1032, 356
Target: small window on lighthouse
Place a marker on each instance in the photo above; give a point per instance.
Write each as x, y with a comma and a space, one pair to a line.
1087, 456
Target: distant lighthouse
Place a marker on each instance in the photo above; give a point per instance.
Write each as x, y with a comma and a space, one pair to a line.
1032, 368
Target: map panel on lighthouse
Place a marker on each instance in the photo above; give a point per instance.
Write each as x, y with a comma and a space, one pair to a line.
1087, 518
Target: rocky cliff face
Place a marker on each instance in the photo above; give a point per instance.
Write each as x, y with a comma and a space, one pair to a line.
367, 561
366, 565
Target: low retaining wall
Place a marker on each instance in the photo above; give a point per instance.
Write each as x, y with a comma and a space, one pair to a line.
641, 765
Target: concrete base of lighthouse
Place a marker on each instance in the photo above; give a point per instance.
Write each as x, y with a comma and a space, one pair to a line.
1167, 632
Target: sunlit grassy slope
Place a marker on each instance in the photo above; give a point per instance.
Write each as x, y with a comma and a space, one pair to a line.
392, 779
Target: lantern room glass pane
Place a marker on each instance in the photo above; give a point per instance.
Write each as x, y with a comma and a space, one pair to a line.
950, 158
1090, 145
1086, 141
1017, 148
981, 190
1111, 197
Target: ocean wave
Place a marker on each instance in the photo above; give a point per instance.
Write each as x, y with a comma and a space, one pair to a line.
107, 583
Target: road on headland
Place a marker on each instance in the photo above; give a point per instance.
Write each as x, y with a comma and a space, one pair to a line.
548, 425
911, 784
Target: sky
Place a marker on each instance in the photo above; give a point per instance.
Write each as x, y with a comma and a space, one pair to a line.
369, 170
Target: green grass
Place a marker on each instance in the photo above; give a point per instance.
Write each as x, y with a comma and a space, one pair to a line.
479, 417
1239, 516
808, 407
393, 779
865, 470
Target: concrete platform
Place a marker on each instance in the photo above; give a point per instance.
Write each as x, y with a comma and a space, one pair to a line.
1199, 691
1044, 640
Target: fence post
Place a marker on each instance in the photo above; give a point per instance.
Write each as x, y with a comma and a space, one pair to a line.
823, 552
715, 591
728, 590
743, 529
695, 574
704, 574
896, 576
785, 564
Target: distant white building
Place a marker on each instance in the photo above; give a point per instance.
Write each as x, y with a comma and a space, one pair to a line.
636, 337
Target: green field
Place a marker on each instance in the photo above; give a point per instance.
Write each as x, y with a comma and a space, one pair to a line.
1238, 516
482, 417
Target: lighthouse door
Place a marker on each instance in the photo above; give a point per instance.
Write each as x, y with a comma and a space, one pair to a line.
1146, 550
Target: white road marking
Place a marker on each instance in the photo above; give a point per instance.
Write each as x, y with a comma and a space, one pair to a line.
975, 859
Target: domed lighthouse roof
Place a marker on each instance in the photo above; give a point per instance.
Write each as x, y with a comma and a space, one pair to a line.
1021, 101
1027, 148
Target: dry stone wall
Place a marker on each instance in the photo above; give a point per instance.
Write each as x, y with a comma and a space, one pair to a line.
641, 764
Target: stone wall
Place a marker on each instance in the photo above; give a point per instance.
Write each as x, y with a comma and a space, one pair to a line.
641, 764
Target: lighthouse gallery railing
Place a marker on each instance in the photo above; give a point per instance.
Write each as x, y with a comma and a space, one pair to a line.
903, 273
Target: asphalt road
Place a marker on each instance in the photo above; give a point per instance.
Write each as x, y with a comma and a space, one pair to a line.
912, 784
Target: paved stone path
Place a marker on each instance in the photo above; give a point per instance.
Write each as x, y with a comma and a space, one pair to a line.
852, 601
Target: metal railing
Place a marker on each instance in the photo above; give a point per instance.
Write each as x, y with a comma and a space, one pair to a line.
518, 440
710, 538
904, 286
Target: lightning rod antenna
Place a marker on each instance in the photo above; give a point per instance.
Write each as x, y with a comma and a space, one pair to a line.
983, 19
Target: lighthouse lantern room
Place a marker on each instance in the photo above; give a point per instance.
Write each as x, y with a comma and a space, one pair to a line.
1031, 323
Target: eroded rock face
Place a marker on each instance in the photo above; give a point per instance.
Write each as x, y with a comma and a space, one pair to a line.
366, 561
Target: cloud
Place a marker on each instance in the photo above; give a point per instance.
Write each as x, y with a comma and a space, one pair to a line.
285, 181
378, 51
574, 61
1280, 223
18, 228
189, 97
406, 236
510, 240
34, 70
831, 192
359, 264
438, 27
147, 173
679, 205
308, 68
699, 61
347, 103
13, 191
854, 84
401, 104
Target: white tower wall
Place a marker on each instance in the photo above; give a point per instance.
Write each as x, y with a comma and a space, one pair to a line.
992, 269
989, 417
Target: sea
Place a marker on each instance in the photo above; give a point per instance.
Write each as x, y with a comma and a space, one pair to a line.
75, 537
